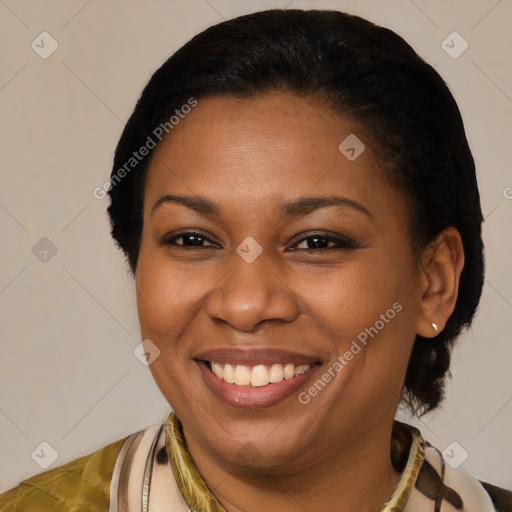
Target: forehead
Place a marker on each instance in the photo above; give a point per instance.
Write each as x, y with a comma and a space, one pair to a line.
256, 150
280, 121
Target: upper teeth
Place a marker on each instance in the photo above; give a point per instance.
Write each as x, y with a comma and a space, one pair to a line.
259, 375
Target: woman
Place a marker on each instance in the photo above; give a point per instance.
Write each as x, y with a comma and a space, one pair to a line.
297, 201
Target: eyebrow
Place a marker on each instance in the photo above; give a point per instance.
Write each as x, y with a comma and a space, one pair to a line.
293, 208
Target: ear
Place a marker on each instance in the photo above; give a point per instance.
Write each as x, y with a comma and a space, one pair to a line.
441, 265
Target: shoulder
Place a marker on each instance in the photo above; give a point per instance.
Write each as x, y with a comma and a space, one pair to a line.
501, 498
82, 484
444, 481
440, 481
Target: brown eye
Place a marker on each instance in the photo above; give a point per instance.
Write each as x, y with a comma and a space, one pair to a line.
189, 239
322, 241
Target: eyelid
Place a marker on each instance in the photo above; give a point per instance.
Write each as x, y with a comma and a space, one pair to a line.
167, 240
341, 241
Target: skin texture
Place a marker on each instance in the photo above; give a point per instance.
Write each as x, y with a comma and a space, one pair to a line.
249, 156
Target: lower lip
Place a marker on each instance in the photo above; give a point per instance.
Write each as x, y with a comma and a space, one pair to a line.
254, 397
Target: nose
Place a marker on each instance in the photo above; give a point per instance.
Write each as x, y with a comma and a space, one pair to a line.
251, 293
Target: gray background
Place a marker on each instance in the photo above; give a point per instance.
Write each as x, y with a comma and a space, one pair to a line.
68, 320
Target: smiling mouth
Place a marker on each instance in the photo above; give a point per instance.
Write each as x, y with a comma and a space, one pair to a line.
259, 375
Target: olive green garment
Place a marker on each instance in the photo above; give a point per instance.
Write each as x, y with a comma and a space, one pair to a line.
79, 486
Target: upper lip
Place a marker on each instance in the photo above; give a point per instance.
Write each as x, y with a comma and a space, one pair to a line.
255, 356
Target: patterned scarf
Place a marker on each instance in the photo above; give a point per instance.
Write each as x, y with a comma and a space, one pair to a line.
407, 455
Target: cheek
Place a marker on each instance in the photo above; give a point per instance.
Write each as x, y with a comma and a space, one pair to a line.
353, 295
366, 307
165, 298
164, 294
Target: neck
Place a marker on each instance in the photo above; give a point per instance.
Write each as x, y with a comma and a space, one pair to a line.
340, 482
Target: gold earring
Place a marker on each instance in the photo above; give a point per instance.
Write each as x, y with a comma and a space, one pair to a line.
435, 327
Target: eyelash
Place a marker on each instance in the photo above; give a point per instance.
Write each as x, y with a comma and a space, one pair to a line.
342, 243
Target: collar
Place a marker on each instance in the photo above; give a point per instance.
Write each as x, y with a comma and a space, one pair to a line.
407, 455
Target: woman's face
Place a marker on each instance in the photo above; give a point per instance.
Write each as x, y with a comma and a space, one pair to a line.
258, 275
